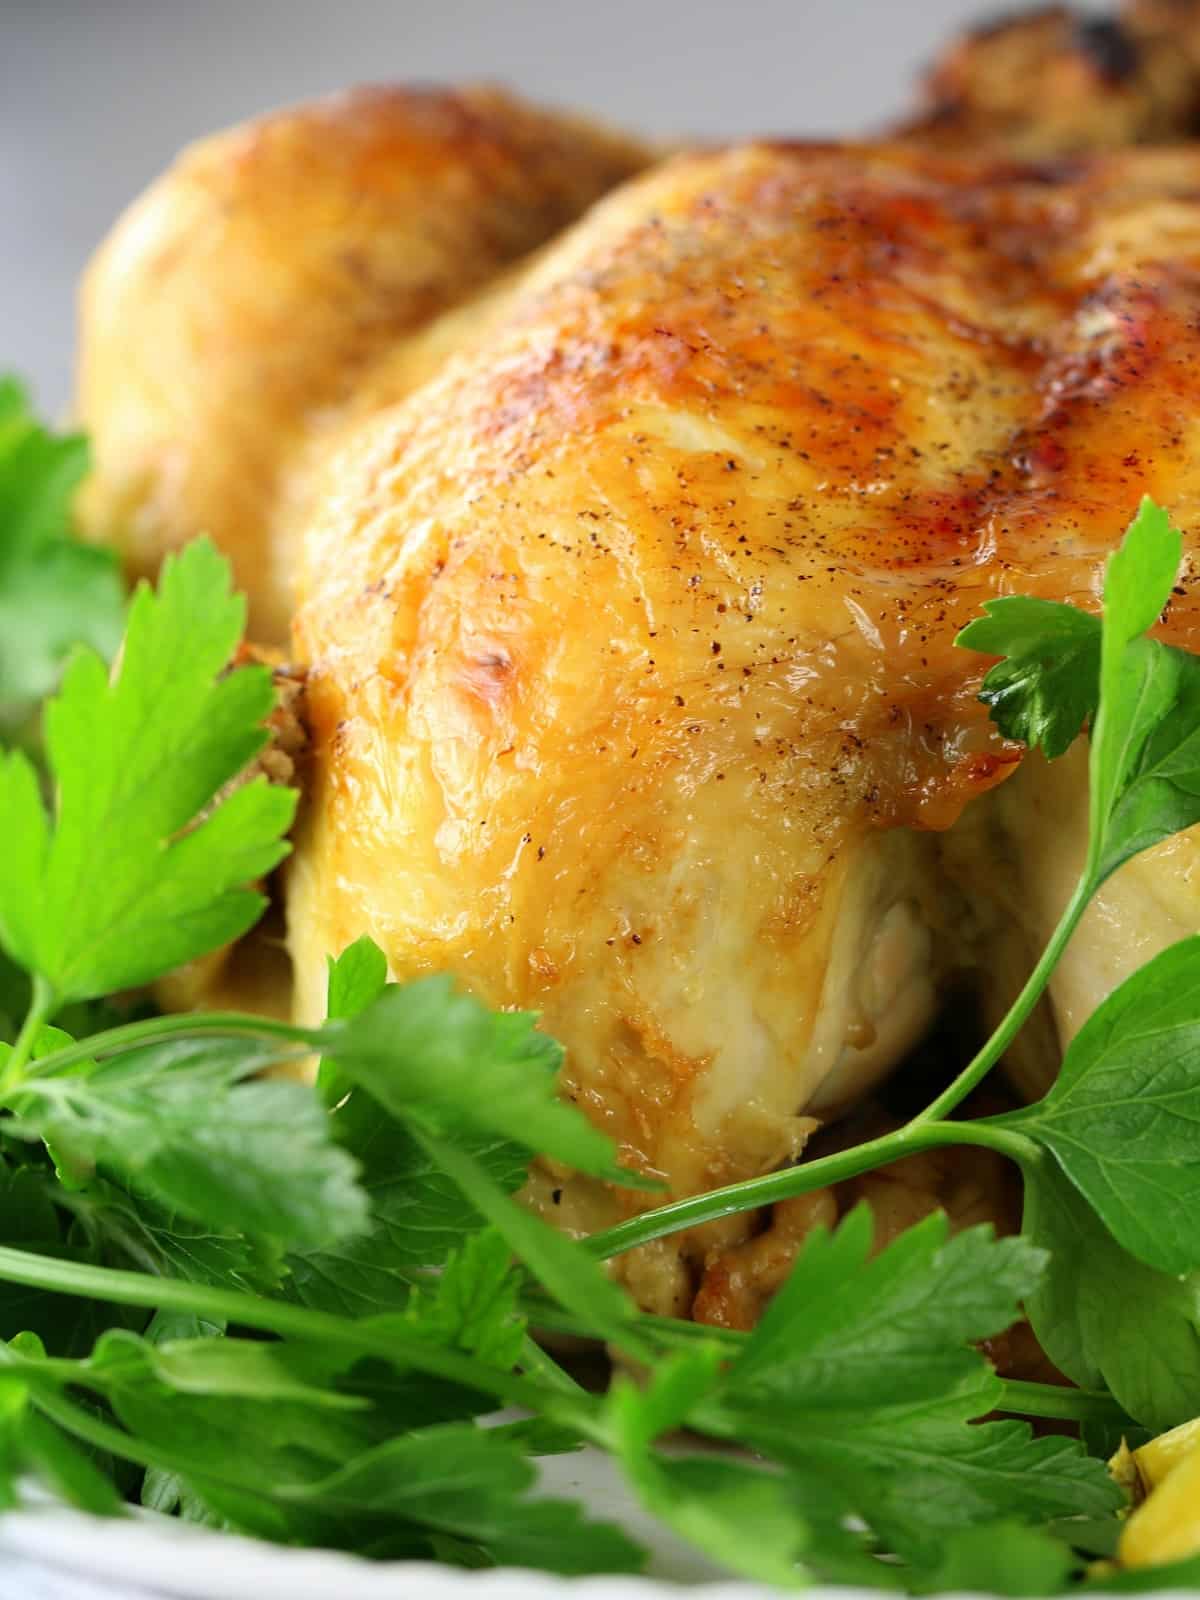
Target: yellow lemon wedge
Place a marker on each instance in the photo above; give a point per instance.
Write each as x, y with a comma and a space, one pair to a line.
1166, 1525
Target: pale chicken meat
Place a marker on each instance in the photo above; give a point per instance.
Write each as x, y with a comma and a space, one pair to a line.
625, 593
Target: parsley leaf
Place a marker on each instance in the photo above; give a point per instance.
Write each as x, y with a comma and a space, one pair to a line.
915, 1473
246, 1368
742, 1516
179, 1122
1001, 1558
862, 1388
356, 978
14, 1404
1148, 771
274, 1440
65, 1469
1105, 1318
570, 1274
417, 1215
30, 1220
889, 1439
471, 1308
423, 1049
849, 1329
128, 1226
143, 866
1046, 688
473, 1305
1123, 1117
470, 1483
54, 593
1062, 668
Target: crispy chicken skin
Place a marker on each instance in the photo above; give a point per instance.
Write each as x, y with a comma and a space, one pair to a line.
289, 276
240, 303
1057, 80
632, 683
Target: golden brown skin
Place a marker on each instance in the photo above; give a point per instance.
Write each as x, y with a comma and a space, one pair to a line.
288, 277
241, 302
632, 680
1057, 80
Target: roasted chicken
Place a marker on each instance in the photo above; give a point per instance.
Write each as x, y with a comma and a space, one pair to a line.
626, 591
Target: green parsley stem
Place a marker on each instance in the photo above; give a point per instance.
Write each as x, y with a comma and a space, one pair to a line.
1057, 1400
801, 1179
974, 1073
538, 1363
391, 1343
547, 1317
188, 1025
41, 1005
104, 1436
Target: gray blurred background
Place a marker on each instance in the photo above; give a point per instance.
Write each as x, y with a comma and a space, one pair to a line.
97, 95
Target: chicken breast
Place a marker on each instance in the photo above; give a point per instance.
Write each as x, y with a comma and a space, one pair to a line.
243, 301
629, 637
287, 278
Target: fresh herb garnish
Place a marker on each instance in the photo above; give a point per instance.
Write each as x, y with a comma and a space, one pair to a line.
286, 1309
142, 866
54, 592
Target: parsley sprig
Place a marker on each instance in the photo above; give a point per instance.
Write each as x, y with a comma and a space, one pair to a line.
286, 1308
138, 760
54, 592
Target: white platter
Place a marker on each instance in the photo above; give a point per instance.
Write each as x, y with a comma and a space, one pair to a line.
73, 1557
47, 1553
50, 1554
